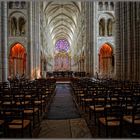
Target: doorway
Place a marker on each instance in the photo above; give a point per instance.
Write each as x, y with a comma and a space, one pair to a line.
106, 60
17, 60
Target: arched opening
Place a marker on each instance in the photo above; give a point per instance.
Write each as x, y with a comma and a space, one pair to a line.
17, 60
17, 24
102, 27
100, 6
13, 28
106, 5
109, 27
106, 60
23, 4
111, 6
21, 25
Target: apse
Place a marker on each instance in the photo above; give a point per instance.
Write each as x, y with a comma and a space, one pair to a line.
62, 58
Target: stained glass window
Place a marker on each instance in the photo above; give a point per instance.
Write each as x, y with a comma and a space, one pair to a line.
62, 45
62, 61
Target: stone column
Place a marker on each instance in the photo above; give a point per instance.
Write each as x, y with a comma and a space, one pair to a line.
80, 65
85, 39
135, 43
30, 43
95, 48
109, 7
106, 31
37, 39
118, 40
90, 37
104, 6
4, 36
127, 41
0, 45
89, 45
138, 40
34, 37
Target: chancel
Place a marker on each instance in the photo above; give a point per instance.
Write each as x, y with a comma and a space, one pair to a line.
69, 69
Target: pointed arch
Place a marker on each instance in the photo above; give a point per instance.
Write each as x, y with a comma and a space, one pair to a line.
111, 5
109, 27
106, 6
21, 25
106, 59
17, 23
102, 27
100, 6
13, 26
17, 59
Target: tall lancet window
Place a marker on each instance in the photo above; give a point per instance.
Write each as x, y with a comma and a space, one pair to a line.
102, 27
109, 27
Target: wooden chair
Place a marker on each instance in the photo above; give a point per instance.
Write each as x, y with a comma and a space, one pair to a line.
17, 123
86, 100
98, 104
31, 112
112, 119
26, 102
133, 118
2, 125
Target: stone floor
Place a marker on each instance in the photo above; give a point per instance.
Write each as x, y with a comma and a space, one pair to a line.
70, 128
63, 119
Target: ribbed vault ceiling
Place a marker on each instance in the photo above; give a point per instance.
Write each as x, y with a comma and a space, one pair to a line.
61, 18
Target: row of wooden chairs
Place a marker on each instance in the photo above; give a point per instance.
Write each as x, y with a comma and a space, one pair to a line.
102, 99
22, 105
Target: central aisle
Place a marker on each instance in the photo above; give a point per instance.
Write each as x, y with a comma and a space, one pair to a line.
63, 106
63, 119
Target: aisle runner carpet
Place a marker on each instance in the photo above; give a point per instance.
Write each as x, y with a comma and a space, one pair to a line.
63, 106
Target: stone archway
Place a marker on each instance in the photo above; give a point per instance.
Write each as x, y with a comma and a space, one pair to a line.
17, 60
106, 60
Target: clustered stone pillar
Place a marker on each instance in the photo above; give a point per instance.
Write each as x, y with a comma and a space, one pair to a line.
0, 45
36, 40
90, 37
95, 56
4, 19
34, 48
127, 41
30, 42
87, 37
39, 43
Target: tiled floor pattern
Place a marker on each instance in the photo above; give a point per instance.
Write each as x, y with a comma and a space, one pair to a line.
70, 128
